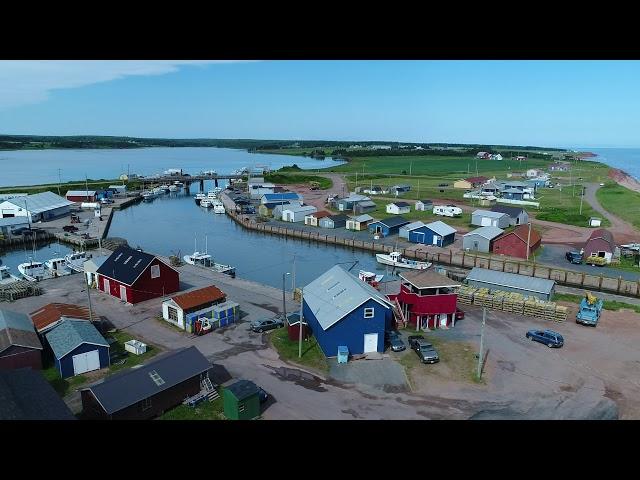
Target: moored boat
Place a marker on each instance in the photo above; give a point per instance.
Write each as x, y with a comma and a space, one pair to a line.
205, 202
6, 277
218, 206
173, 188
75, 261
199, 197
148, 196
57, 267
371, 278
33, 271
395, 259
205, 260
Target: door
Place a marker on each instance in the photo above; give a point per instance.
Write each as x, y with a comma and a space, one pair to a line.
370, 342
435, 240
443, 320
420, 237
123, 293
86, 362
106, 287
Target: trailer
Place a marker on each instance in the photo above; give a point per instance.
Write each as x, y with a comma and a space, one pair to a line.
447, 210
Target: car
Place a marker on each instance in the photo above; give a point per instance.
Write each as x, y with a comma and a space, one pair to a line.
573, 257
262, 395
264, 324
443, 184
394, 340
550, 338
459, 314
423, 349
70, 228
602, 184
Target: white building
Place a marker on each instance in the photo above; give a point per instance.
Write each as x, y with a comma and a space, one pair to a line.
39, 207
258, 189
424, 205
533, 172
398, 208
292, 213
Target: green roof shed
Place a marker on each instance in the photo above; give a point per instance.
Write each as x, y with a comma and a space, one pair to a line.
241, 401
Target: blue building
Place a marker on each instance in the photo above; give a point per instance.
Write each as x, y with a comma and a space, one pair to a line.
78, 348
388, 226
342, 310
537, 182
434, 233
279, 197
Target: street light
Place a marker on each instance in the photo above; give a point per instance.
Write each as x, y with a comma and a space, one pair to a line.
284, 308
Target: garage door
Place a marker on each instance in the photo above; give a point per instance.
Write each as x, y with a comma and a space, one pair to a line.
370, 342
485, 222
86, 362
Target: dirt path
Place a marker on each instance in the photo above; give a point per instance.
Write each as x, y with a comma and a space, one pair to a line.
623, 232
318, 198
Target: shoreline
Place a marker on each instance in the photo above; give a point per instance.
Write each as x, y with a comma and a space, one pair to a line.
623, 179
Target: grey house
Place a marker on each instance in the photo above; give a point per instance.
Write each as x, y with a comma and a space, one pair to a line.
487, 218
481, 239
517, 215
334, 221
365, 207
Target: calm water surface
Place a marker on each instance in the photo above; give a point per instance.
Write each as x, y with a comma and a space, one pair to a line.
627, 159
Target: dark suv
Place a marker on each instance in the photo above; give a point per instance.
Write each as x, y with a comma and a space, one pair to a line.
573, 257
423, 349
550, 338
265, 324
395, 341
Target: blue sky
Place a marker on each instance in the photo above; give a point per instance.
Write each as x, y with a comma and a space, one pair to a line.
549, 103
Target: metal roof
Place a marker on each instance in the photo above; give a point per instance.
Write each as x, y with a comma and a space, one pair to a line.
486, 232
367, 203
70, 334
300, 208
15, 320
80, 193
400, 204
428, 279
94, 263
243, 389
354, 198
425, 202
414, 225
277, 197
120, 390
336, 293
362, 218
393, 222
125, 264
17, 329
511, 211
40, 202
440, 228
511, 280
488, 213
9, 221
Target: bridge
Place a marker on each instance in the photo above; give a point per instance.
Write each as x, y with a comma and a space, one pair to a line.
189, 179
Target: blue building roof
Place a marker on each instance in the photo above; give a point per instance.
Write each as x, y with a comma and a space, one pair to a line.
70, 334
278, 197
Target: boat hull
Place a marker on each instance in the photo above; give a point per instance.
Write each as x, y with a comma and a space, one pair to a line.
411, 264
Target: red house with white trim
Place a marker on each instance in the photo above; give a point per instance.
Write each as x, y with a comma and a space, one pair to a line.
427, 299
134, 276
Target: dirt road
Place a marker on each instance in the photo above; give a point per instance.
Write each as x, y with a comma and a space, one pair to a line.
623, 232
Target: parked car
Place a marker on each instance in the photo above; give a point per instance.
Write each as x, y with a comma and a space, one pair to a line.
106, 201
70, 228
423, 349
265, 324
550, 338
262, 395
459, 314
602, 184
573, 257
394, 340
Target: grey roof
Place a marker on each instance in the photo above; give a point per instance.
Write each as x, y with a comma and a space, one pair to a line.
125, 264
512, 280
355, 198
515, 184
441, 228
394, 221
362, 218
279, 197
17, 329
243, 389
41, 202
337, 293
488, 213
94, 263
70, 334
300, 208
367, 203
341, 217
486, 232
400, 204
426, 202
413, 225
15, 320
9, 221
131, 386
511, 211
80, 193
26, 395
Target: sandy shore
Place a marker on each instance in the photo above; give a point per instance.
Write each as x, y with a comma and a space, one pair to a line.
623, 178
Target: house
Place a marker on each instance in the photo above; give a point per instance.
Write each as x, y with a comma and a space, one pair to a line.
470, 182
398, 208
81, 196
388, 226
511, 282
402, 188
241, 401
313, 219
490, 188
539, 182
520, 158
481, 239
484, 155
514, 243
600, 244
334, 221
38, 207
496, 157
296, 213
424, 205
364, 207
595, 221
517, 215
266, 209
361, 222
278, 209
12, 223
91, 267
347, 204
134, 276
342, 310
47, 317
27, 395
258, 188
427, 299
19, 343
78, 348
404, 230
489, 218
149, 390
118, 189
435, 233
280, 197
184, 309
513, 193
533, 172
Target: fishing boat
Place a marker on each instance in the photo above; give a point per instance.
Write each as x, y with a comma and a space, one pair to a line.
161, 190
178, 183
212, 195
148, 196
371, 278
33, 271
206, 203
218, 206
173, 188
205, 260
75, 261
199, 197
57, 267
6, 277
395, 259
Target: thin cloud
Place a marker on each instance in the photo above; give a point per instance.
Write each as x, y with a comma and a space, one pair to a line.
31, 81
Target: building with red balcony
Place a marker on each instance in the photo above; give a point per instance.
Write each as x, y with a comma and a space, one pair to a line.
427, 299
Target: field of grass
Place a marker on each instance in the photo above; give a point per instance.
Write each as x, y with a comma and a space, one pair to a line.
62, 385
312, 355
562, 206
425, 216
584, 171
620, 201
291, 178
131, 359
203, 411
612, 305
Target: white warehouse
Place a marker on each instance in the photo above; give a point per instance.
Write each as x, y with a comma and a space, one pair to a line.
39, 207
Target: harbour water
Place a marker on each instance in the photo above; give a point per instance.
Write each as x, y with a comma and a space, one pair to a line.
43, 252
34, 167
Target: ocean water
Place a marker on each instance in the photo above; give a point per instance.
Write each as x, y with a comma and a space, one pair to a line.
627, 159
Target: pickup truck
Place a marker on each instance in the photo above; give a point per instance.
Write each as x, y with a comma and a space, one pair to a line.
423, 349
574, 257
590, 311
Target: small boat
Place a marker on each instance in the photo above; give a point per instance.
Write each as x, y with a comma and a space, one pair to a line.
75, 261
159, 191
204, 260
395, 259
57, 267
210, 173
212, 195
178, 183
199, 197
370, 278
6, 277
148, 196
173, 188
33, 271
205, 202
218, 206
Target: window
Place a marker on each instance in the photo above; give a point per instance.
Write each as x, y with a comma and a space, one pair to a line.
128, 258
145, 404
241, 408
156, 378
155, 271
173, 314
368, 312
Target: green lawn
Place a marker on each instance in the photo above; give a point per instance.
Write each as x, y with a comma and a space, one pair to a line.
562, 206
60, 385
291, 177
612, 305
131, 359
64, 187
312, 355
203, 411
620, 201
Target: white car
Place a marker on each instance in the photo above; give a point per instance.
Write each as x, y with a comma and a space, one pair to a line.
602, 184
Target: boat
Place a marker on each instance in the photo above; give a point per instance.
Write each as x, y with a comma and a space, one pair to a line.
173, 188
57, 267
371, 278
33, 271
205, 260
178, 183
218, 206
148, 196
395, 259
6, 277
210, 173
212, 195
75, 261
199, 197
205, 202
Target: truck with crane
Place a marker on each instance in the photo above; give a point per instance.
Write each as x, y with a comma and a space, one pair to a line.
590, 310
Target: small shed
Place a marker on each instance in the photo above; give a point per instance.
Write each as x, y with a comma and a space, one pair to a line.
78, 348
266, 209
293, 327
293, 213
511, 282
19, 342
422, 205
334, 221
435, 233
488, 218
595, 221
313, 219
184, 309
388, 226
517, 215
81, 195
241, 401
361, 222
398, 208
481, 239
404, 230
365, 206
401, 188
600, 244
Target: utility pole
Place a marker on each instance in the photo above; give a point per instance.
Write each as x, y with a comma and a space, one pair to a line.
528, 240
59, 181
356, 178
88, 287
300, 326
581, 196
284, 307
410, 167
484, 314
293, 278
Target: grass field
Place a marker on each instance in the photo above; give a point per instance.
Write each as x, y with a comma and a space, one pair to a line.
620, 201
312, 355
64, 187
203, 411
562, 206
291, 178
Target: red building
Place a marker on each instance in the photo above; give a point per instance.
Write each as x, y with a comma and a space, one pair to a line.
514, 243
134, 276
600, 244
428, 299
81, 195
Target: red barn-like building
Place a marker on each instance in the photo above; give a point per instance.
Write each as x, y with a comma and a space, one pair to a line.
428, 299
514, 243
134, 276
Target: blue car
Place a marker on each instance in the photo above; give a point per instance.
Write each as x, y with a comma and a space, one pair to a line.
550, 338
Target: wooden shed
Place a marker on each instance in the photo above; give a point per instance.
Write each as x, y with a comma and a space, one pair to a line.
242, 401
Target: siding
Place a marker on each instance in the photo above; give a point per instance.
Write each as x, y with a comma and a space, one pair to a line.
425, 235
512, 245
65, 364
19, 357
146, 287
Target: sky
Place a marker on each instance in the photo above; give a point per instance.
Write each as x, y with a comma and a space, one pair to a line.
565, 104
